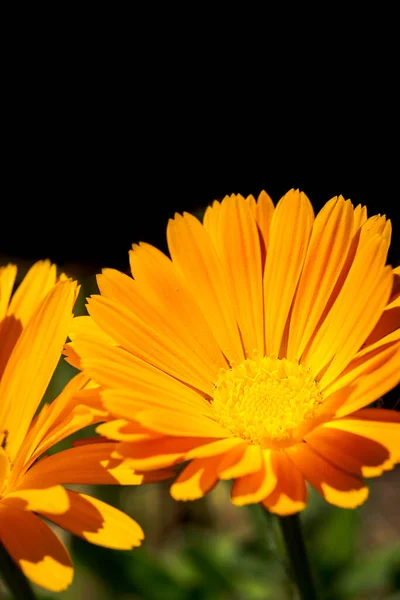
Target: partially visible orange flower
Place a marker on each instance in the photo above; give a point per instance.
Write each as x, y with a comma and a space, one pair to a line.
253, 352
34, 323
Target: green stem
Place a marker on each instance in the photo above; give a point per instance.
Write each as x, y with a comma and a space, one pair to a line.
296, 550
14, 578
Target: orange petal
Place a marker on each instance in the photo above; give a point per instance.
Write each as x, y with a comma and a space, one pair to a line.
7, 279
240, 254
40, 437
99, 523
327, 250
360, 216
376, 225
115, 368
150, 344
159, 298
376, 424
290, 494
154, 271
10, 331
350, 452
158, 453
60, 408
198, 478
86, 327
88, 464
51, 498
264, 211
80, 416
213, 448
31, 291
38, 281
33, 362
336, 486
357, 336
196, 260
211, 222
72, 357
289, 237
35, 548
240, 461
354, 313
394, 300
175, 423
366, 379
4, 464
390, 319
125, 431
254, 487
387, 332
148, 394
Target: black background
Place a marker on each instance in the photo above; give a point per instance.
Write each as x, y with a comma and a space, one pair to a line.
111, 122
81, 195
104, 140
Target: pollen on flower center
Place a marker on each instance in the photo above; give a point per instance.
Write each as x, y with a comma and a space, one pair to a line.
267, 401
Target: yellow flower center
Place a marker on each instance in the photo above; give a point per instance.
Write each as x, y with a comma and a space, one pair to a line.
268, 401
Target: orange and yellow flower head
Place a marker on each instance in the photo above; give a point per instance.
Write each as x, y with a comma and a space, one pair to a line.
34, 323
252, 353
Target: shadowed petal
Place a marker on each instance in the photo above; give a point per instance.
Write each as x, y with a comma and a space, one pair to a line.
99, 523
290, 494
35, 548
376, 424
158, 453
336, 486
52, 499
351, 452
85, 464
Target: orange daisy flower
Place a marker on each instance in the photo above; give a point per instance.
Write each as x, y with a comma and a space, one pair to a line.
253, 351
34, 323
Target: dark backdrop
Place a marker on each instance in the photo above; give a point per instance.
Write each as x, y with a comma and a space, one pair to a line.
109, 128
80, 195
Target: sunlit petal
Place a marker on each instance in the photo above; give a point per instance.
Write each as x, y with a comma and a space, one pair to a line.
33, 361
250, 350
198, 478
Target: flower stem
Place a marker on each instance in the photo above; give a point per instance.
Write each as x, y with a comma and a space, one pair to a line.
14, 578
296, 550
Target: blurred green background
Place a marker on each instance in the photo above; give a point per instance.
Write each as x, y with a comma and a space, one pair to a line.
211, 550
